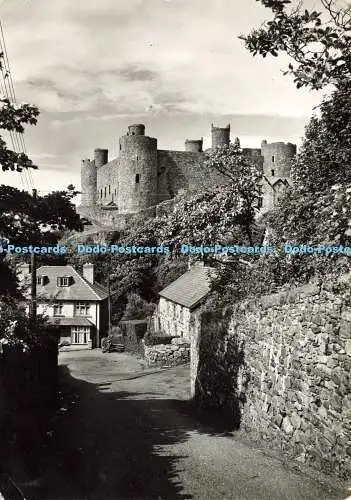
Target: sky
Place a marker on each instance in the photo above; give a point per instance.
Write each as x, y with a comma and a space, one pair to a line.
95, 66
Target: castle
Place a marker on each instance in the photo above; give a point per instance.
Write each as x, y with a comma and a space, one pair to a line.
142, 178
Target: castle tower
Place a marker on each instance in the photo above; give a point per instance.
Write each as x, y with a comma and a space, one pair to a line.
88, 183
138, 129
100, 157
220, 136
194, 146
277, 158
137, 170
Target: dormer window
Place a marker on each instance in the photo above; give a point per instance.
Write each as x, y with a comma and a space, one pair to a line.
63, 281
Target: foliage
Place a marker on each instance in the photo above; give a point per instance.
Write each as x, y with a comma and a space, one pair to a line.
27, 220
168, 270
326, 149
313, 218
137, 308
12, 119
208, 217
15, 326
319, 43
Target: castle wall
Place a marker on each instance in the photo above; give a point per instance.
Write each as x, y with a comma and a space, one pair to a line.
194, 146
184, 170
107, 183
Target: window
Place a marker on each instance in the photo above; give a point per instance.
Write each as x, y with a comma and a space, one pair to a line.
120, 147
40, 280
80, 334
273, 159
63, 281
105, 191
82, 309
137, 179
181, 315
272, 173
109, 189
101, 193
57, 309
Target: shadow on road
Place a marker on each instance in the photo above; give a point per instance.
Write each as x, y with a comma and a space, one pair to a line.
106, 445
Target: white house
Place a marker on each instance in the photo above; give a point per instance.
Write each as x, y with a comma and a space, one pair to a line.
180, 302
74, 302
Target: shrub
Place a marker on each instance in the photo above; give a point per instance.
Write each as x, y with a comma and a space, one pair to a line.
157, 339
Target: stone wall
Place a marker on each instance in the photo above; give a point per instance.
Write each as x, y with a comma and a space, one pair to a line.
184, 170
174, 354
280, 366
173, 319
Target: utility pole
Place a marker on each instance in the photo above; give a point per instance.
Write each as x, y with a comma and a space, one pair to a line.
109, 303
33, 263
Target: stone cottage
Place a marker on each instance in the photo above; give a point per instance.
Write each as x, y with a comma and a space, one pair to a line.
179, 304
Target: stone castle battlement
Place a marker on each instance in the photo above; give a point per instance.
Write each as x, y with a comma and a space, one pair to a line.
143, 176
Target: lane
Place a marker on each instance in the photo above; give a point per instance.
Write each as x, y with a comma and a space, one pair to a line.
119, 437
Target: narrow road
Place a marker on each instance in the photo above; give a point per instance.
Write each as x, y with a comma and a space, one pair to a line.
122, 433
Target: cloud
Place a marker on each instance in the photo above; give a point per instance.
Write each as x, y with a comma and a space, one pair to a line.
78, 57
92, 67
136, 74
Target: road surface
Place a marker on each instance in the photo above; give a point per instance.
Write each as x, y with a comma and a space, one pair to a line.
123, 433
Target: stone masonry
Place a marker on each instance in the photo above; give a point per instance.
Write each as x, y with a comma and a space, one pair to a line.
176, 353
283, 366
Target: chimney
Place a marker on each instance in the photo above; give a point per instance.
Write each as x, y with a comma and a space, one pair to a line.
88, 272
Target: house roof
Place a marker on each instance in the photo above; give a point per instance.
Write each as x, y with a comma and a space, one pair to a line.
80, 288
70, 321
191, 288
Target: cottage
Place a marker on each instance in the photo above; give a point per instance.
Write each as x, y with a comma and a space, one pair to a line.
180, 302
74, 302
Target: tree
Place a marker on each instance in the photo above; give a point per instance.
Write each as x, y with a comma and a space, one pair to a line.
319, 43
27, 220
245, 177
12, 119
137, 308
325, 155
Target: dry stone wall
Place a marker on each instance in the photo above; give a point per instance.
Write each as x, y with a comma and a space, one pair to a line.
174, 354
282, 365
